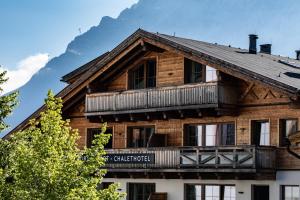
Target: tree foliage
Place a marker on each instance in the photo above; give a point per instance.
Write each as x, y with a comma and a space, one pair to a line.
7, 102
44, 162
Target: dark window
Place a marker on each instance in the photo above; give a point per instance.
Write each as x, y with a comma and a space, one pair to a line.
151, 74
287, 127
193, 71
143, 76
139, 136
260, 131
209, 192
92, 132
140, 191
260, 192
289, 192
209, 134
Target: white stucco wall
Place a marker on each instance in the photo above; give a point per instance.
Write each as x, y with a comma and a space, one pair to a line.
175, 187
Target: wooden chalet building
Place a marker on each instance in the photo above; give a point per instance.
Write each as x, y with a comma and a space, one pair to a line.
189, 119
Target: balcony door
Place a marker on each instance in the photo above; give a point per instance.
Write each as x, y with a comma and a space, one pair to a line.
209, 134
260, 131
138, 137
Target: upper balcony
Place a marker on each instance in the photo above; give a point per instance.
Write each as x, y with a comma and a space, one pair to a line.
194, 97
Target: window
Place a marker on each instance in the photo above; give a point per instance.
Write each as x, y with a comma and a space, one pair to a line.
260, 192
287, 127
92, 132
211, 74
193, 71
139, 136
209, 192
212, 192
209, 134
140, 191
290, 192
143, 76
260, 132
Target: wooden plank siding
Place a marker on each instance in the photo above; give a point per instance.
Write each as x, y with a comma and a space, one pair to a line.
255, 102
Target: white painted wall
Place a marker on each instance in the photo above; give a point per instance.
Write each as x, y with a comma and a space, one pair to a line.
175, 187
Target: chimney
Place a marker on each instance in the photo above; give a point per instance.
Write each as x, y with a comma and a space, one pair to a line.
265, 48
297, 54
252, 43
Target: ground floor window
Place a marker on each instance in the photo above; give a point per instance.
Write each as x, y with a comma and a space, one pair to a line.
140, 191
260, 192
290, 192
209, 192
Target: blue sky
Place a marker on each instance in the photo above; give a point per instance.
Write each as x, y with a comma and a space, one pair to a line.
33, 31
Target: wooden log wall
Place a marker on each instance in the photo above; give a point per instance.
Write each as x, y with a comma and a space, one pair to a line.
256, 103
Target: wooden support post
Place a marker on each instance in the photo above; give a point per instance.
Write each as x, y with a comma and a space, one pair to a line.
147, 116
163, 175
199, 113
116, 118
101, 118
180, 175
181, 113
165, 116
131, 117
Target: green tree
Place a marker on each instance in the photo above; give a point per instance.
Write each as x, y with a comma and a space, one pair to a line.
44, 162
7, 102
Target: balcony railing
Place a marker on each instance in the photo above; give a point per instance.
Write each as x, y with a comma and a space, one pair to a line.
235, 158
207, 95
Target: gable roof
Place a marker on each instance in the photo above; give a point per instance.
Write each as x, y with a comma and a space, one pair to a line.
285, 71
279, 72
80, 70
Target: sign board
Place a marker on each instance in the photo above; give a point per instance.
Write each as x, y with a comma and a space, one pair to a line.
130, 158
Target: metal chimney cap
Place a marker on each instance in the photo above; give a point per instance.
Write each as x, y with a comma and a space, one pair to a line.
253, 36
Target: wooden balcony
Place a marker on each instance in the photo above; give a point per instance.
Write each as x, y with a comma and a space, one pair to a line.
235, 159
192, 96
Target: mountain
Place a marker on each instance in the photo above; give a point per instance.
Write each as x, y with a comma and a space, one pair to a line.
221, 21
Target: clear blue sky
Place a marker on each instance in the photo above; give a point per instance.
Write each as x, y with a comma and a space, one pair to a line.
47, 26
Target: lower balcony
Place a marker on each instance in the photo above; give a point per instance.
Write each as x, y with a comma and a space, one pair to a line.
236, 160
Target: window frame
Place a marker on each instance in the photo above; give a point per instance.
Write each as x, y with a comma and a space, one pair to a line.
144, 63
282, 142
143, 183
282, 190
203, 185
137, 126
203, 139
252, 130
88, 143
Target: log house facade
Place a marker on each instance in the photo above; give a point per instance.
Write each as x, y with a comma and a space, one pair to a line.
189, 119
